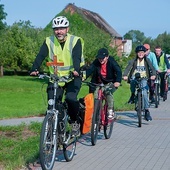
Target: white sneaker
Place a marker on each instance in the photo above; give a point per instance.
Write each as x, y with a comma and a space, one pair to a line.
110, 114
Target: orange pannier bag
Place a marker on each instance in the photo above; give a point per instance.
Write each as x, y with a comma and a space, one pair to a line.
88, 113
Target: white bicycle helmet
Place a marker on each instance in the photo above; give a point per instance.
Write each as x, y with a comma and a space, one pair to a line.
60, 21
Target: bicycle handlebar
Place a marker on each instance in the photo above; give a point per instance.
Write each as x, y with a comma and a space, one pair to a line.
96, 84
55, 77
93, 84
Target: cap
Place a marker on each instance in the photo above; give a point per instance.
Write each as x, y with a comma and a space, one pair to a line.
102, 53
147, 46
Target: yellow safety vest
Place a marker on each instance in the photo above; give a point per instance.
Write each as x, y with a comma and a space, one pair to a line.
162, 64
63, 55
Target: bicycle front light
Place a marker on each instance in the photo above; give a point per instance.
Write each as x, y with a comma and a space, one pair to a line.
51, 102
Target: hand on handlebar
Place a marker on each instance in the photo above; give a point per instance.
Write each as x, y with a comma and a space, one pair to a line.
75, 73
125, 78
34, 73
168, 71
116, 84
153, 77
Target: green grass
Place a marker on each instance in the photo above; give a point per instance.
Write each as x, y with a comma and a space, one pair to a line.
19, 145
22, 97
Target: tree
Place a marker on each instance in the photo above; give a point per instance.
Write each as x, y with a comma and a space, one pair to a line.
18, 46
2, 27
2, 17
136, 36
163, 40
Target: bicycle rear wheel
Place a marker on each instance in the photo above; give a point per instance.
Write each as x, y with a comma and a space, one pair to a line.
166, 89
95, 122
108, 128
165, 96
156, 95
139, 108
48, 142
69, 148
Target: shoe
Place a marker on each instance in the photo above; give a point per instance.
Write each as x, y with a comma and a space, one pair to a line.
152, 100
75, 129
161, 95
132, 99
111, 114
147, 115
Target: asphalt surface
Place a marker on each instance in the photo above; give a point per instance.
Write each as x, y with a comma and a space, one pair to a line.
129, 148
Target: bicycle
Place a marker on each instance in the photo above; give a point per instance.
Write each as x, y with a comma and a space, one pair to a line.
139, 99
166, 86
157, 90
56, 130
99, 118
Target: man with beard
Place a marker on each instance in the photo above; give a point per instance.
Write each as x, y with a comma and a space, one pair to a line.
67, 49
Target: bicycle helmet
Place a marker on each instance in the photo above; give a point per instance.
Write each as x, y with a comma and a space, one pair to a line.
60, 21
140, 48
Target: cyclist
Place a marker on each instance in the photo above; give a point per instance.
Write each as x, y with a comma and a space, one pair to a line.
104, 69
69, 50
151, 55
168, 56
164, 67
141, 65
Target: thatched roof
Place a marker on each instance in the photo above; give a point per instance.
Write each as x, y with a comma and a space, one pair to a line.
95, 18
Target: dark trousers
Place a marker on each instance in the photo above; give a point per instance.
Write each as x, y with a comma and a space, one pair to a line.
162, 83
71, 90
151, 88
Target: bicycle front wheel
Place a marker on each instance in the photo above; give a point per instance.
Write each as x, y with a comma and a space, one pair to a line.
139, 108
108, 128
48, 142
69, 148
95, 122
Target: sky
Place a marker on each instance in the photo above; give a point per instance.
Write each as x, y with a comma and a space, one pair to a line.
148, 16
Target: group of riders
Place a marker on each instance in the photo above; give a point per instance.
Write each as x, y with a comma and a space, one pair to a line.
68, 49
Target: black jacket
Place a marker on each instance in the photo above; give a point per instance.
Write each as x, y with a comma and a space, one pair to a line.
114, 73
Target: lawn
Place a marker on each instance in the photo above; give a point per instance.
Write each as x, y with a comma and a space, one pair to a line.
26, 96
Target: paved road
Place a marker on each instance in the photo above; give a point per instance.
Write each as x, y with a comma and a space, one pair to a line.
129, 148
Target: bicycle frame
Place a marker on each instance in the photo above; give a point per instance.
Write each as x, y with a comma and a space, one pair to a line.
157, 90
54, 133
103, 105
139, 99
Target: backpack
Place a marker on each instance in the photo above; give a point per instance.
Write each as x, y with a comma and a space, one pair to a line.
86, 112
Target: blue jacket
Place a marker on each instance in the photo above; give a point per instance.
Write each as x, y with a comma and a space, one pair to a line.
152, 58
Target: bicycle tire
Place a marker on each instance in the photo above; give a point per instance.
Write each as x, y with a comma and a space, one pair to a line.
165, 96
166, 90
139, 110
156, 95
69, 149
48, 142
108, 128
95, 122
